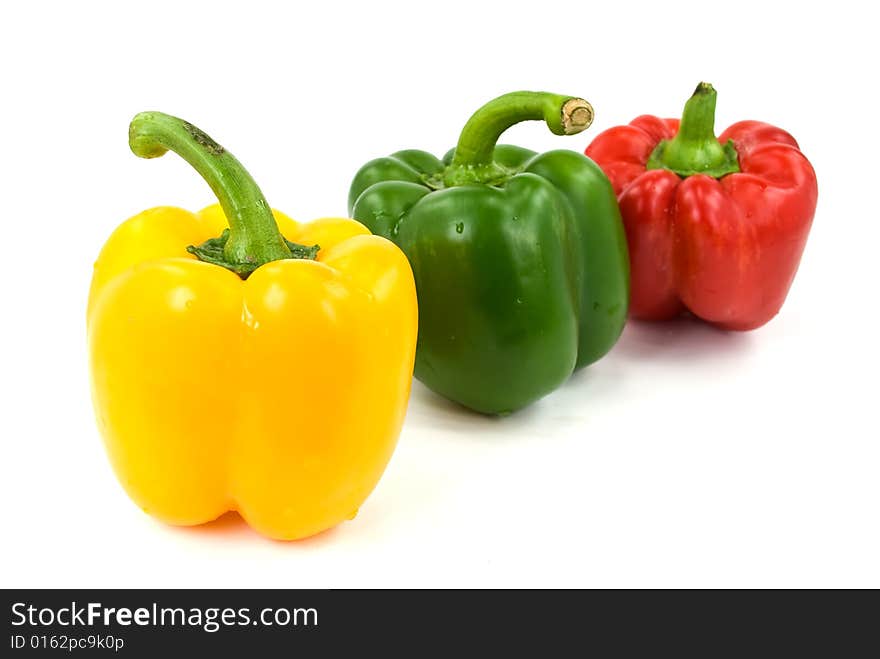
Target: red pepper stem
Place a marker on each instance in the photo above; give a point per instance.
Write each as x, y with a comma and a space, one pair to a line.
695, 149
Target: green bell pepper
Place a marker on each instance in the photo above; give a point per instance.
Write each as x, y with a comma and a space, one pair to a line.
520, 259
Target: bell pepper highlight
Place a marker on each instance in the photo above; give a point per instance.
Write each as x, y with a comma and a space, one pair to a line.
519, 258
234, 369
716, 226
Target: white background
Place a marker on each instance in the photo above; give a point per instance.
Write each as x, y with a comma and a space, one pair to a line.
687, 457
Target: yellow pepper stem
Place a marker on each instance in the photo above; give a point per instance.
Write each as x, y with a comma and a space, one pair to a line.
253, 238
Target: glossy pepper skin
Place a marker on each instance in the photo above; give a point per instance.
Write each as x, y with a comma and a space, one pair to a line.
715, 226
519, 258
281, 395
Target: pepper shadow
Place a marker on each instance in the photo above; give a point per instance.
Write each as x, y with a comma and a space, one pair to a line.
681, 339
431, 412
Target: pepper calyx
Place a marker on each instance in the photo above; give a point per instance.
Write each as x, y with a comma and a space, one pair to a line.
213, 251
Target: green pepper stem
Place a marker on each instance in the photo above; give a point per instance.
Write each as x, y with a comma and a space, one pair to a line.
254, 238
564, 115
695, 149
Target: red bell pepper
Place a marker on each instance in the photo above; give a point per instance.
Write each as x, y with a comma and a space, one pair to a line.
714, 226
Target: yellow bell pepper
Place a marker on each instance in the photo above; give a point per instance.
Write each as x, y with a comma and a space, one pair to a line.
247, 372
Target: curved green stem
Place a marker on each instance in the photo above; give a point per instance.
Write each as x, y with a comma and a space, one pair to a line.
253, 237
473, 162
695, 149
